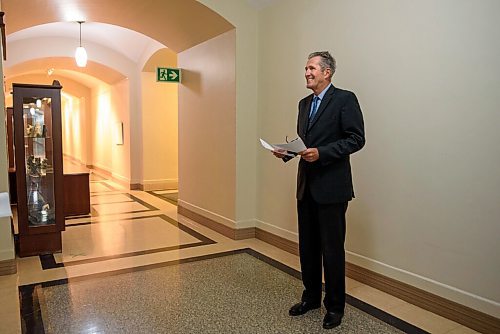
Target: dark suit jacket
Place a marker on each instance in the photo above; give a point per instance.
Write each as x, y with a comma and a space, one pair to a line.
336, 131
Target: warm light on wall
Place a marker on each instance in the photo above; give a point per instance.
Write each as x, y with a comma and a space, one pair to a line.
81, 53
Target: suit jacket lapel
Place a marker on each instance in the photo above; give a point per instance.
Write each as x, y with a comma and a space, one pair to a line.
304, 115
326, 100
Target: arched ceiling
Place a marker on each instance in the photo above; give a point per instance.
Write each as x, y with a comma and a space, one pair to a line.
178, 24
65, 65
129, 43
134, 29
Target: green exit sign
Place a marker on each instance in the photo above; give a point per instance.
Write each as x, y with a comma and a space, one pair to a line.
166, 74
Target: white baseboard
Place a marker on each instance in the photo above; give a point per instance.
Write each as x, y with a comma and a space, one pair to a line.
248, 223
208, 214
7, 254
446, 291
125, 181
161, 184
73, 158
278, 231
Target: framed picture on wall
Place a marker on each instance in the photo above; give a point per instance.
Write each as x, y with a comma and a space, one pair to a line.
119, 133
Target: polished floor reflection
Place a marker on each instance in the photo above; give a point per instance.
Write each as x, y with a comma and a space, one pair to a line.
135, 265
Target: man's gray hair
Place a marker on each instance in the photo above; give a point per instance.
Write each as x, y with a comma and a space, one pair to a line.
326, 60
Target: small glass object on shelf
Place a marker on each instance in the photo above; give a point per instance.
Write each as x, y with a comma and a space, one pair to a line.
40, 212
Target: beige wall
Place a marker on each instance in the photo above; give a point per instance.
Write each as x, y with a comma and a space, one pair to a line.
245, 18
427, 182
160, 125
73, 128
120, 109
102, 121
207, 129
110, 107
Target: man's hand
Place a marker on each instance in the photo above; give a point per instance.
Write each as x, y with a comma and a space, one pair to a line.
279, 153
310, 155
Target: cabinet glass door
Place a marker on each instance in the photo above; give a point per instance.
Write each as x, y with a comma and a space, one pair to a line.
38, 148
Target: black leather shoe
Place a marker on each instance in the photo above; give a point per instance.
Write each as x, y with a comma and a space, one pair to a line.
302, 308
332, 320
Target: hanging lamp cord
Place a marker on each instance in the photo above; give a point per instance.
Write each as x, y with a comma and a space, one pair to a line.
80, 22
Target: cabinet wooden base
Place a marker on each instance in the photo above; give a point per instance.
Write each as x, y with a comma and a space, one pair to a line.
37, 244
76, 194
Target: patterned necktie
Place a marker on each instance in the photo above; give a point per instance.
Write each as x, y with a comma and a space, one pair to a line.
314, 108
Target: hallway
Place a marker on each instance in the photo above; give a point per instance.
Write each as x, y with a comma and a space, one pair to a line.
424, 225
136, 266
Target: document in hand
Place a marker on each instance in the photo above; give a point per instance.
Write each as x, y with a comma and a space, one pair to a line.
293, 147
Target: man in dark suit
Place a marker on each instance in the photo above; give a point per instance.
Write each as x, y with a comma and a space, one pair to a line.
331, 125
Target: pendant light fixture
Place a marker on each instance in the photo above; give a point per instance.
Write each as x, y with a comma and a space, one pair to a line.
81, 54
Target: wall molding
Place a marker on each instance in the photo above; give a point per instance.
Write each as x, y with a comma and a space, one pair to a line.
227, 231
449, 309
100, 170
462, 314
163, 184
277, 241
8, 267
146, 185
123, 181
73, 159
215, 217
278, 231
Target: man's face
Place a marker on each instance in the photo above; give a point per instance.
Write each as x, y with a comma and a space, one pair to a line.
316, 79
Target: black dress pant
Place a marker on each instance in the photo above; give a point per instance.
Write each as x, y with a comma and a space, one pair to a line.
322, 230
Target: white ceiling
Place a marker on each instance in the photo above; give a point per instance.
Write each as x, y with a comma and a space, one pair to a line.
127, 42
131, 44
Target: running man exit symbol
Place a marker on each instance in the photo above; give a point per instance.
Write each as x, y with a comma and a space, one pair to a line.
166, 74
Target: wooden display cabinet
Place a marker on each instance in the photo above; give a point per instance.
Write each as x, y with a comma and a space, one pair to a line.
39, 167
9, 122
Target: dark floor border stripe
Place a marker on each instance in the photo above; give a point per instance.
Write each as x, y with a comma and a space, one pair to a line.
142, 202
31, 312
133, 198
77, 217
95, 213
100, 178
109, 219
160, 196
48, 261
104, 184
384, 316
108, 194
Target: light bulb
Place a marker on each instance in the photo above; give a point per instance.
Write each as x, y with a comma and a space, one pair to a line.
38, 103
81, 56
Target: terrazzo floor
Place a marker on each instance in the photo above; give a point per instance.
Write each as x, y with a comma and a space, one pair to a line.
193, 297
135, 266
